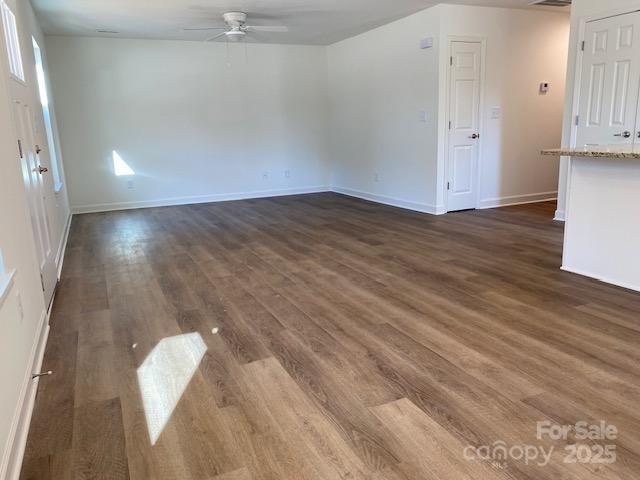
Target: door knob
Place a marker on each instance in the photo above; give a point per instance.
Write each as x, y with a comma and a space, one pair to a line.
475, 135
42, 169
38, 149
626, 134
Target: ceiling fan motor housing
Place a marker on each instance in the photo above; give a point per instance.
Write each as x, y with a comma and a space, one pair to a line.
235, 19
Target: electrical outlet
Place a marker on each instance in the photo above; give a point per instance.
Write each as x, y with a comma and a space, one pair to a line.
131, 185
422, 116
265, 175
376, 177
287, 174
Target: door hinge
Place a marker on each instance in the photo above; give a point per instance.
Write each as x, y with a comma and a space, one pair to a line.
577, 120
448, 185
42, 282
20, 148
451, 60
583, 45
449, 124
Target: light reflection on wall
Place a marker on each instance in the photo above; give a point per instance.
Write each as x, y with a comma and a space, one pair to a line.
120, 167
164, 376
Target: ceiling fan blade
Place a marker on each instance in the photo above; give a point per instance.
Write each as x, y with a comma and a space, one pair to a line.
198, 29
215, 37
268, 29
252, 37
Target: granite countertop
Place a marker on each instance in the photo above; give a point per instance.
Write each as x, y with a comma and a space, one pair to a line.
626, 152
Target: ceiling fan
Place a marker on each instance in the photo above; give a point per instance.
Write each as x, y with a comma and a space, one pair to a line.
237, 27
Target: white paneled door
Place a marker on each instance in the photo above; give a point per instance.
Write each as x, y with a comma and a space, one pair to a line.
610, 81
33, 172
464, 127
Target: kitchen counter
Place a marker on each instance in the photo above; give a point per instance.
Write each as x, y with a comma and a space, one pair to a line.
623, 152
602, 231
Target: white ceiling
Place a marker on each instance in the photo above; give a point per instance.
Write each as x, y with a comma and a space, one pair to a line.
316, 22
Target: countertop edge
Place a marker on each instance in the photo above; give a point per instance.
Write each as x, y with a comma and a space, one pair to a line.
561, 152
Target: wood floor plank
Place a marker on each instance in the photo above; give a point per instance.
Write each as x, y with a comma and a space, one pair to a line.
99, 450
428, 450
318, 445
242, 474
325, 337
51, 434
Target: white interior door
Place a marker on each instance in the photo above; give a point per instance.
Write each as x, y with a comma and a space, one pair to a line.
610, 81
464, 128
32, 176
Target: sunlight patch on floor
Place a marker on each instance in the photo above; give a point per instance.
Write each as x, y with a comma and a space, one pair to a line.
165, 375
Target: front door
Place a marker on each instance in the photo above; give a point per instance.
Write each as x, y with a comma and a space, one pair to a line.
610, 81
32, 175
464, 129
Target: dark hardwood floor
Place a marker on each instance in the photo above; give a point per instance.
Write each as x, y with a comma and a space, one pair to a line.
324, 337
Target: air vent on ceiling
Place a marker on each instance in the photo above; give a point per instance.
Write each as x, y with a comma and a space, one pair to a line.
553, 3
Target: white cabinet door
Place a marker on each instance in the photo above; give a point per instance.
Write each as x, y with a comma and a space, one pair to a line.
610, 81
464, 133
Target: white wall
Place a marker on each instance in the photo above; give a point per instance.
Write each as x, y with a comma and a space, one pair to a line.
190, 126
580, 11
523, 49
381, 80
19, 334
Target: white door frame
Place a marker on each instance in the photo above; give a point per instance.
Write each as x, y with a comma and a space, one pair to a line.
446, 65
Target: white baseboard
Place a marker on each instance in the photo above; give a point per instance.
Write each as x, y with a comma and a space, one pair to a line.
518, 200
610, 281
224, 197
560, 216
14, 454
62, 248
394, 202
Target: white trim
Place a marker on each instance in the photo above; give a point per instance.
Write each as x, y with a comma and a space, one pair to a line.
17, 440
445, 63
518, 200
6, 282
167, 202
559, 216
62, 248
577, 85
394, 202
616, 283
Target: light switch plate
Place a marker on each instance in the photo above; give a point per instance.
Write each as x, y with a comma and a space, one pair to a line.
496, 113
426, 43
